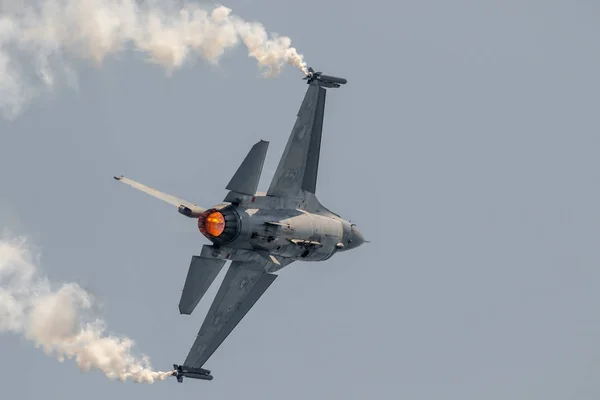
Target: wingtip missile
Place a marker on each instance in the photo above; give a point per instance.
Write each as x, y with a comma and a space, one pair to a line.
324, 80
181, 371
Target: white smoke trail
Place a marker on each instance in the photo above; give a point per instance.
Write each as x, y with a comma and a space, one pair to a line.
38, 38
54, 319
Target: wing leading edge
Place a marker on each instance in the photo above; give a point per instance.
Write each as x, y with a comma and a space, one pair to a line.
244, 283
298, 168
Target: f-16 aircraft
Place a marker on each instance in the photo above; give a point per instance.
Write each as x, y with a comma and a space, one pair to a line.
260, 233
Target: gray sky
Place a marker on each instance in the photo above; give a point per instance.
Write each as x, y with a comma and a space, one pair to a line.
464, 146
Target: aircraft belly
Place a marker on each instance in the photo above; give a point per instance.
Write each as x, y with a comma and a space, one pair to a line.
327, 228
297, 234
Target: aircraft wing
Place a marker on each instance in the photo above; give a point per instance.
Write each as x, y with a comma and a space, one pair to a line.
299, 164
243, 285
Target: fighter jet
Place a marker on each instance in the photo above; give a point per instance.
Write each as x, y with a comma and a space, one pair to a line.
260, 233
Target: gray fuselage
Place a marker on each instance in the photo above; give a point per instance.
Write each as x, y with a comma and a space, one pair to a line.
299, 229
259, 233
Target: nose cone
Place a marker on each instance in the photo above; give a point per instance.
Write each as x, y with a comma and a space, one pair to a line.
355, 240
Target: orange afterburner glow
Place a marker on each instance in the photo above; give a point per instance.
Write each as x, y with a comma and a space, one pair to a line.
214, 223
219, 225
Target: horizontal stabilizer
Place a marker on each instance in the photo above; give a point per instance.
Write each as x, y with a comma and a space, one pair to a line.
273, 263
184, 207
201, 275
247, 176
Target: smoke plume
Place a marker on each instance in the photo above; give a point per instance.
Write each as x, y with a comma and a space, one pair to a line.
56, 319
38, 39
